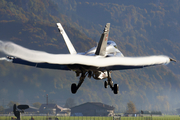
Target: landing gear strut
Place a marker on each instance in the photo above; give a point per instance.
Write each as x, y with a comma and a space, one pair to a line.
75, 87
115, 87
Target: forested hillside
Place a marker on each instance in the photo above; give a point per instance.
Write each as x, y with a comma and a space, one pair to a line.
139, 29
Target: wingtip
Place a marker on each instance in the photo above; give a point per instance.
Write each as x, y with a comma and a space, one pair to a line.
58, 24
172, 60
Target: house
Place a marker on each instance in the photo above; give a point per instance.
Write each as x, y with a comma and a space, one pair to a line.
8, 111
31, 110
178, 111
92, 109
53, 109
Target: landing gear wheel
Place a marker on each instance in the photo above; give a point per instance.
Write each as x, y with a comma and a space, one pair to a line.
73, 88
105, 84
116, 89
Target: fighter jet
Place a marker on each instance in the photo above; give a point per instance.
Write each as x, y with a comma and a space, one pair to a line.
98, 62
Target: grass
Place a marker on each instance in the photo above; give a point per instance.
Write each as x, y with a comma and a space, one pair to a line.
60, 118
93, 118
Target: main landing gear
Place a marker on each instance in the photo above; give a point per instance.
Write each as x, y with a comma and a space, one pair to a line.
75, 87
114, 88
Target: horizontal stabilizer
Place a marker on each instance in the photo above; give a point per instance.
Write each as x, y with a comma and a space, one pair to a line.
3, 58
172, 60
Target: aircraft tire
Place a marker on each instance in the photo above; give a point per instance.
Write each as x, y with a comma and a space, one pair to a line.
105, 84
116, 89
73, 88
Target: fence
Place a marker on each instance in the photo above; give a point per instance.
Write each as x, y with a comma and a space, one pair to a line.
11, 117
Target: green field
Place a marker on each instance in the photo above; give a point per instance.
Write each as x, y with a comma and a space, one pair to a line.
92, 118
59, 118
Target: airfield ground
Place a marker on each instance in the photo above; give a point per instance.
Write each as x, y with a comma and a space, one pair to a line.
91, 118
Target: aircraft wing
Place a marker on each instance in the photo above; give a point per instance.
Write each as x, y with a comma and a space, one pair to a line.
39, 65
61, 61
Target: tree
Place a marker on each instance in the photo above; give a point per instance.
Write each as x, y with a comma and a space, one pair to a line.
37, 104
11, 103
131, 108
1, 109
70, 103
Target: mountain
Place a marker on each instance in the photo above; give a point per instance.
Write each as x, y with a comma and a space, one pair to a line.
139, 28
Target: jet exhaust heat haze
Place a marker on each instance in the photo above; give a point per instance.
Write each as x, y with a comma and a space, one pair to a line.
98, 62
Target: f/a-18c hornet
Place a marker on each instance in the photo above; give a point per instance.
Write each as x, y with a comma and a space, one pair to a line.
98, 62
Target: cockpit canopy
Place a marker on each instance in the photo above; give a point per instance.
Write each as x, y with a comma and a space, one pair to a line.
110, 42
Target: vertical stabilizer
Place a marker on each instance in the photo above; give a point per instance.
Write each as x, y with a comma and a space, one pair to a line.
101, 48
66, 39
